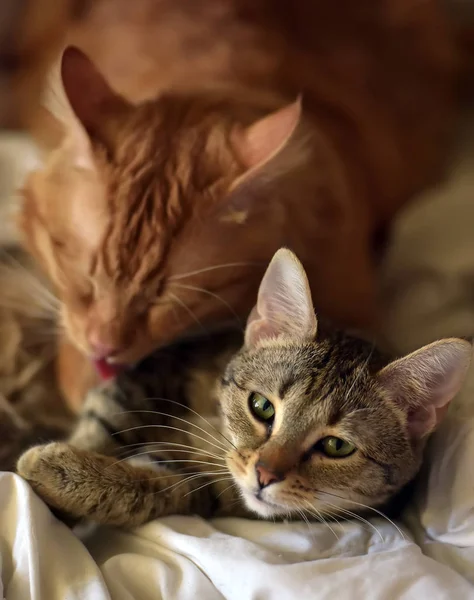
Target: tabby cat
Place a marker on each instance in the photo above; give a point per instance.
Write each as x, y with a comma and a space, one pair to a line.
132, 214
302, 422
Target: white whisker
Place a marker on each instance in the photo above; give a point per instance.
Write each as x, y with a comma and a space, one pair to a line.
323, 520
375, 510
354, 515
187, 309
175, 448
156, 412
207, 484
206, 269
213, 295
136, 428
197, 414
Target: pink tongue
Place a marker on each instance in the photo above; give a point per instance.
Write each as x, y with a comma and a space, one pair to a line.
106, 370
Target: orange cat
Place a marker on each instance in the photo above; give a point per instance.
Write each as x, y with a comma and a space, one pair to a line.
157, 218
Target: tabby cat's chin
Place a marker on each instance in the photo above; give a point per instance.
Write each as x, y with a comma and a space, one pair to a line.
263, 507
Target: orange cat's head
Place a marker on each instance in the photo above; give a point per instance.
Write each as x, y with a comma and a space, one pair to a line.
148, 219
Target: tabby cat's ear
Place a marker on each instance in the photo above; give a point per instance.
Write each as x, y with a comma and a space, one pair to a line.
284, 306
424, 382
258, 144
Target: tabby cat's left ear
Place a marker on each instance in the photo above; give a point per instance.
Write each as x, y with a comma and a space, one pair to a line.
423, 383
284, 306
257, 144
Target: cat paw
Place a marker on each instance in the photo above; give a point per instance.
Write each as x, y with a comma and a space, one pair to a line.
43, 466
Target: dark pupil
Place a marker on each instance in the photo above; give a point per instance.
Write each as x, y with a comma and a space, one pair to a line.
266, 406
339, 444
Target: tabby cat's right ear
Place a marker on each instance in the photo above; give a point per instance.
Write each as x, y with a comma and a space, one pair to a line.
284, 308
423, 383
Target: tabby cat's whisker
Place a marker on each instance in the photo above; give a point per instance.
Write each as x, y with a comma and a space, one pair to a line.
187, 450
187, 309
213, 295
137, 427
233, 484
198, 415
207, 484
321, 516
375, 510
190, 423
355, 516
305, 519
189, 478
213, 268
183, 460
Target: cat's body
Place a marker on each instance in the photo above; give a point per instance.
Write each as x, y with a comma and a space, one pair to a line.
302, 419
140, 210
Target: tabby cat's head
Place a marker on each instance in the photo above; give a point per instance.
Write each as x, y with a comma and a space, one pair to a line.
321, 422
132, 215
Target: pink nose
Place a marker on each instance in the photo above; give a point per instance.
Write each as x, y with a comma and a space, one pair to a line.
102, 350
265, 476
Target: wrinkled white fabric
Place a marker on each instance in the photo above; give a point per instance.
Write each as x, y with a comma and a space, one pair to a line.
187, 558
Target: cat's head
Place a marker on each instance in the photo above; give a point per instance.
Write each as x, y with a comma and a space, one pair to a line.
137, 216
320, 422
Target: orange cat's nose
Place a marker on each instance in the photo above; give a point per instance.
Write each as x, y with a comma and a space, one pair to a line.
265, 476
100, 351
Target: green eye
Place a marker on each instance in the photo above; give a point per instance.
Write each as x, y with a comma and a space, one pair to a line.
261, 407
334, 447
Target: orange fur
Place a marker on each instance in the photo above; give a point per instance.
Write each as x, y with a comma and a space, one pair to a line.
136, 196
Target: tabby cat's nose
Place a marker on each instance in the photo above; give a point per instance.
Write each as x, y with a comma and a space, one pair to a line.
265, 476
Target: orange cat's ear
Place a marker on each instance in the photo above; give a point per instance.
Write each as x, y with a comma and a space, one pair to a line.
258, 144
89, 95
423, 383
284, 306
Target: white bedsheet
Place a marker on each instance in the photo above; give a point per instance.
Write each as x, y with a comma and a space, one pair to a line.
189, 558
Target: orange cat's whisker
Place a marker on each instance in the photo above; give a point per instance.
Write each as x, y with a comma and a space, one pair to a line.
206, 269
187, 309
213, 295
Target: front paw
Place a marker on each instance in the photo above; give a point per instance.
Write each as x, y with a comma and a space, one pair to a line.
30, 465
45, 468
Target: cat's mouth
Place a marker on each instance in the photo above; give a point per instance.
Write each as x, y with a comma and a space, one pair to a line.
265, 508
106, 369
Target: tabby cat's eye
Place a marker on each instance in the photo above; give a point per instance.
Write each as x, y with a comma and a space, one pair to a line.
334, 447
261, 407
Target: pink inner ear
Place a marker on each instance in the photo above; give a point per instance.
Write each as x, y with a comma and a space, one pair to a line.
261, 141
422, 420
